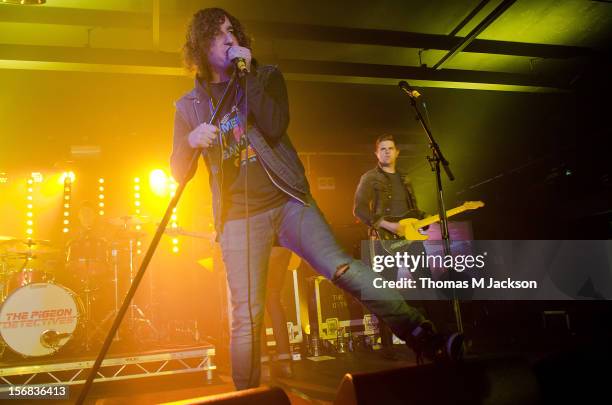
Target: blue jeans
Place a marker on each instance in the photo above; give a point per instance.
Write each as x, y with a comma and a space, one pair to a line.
302, 229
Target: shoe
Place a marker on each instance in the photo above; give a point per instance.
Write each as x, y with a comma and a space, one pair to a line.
435, 347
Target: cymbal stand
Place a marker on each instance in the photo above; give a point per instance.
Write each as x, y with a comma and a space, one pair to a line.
136, 313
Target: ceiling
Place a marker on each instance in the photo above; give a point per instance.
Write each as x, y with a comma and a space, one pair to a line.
524, 45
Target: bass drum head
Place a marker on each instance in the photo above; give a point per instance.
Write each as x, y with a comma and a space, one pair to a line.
38, 319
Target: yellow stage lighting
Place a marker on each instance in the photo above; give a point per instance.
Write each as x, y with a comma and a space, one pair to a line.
158, 180
37, 177
68, 177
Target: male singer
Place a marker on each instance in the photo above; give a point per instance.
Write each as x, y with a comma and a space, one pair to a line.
260, 193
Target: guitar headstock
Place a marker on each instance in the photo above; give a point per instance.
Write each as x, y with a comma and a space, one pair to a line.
472, 205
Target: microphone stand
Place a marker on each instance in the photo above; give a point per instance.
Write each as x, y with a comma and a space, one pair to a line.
435, 160
147, 259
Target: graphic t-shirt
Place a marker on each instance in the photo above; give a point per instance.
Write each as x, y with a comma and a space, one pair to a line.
241, 165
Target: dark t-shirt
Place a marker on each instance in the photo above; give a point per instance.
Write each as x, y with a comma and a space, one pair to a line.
399, 199
237, 169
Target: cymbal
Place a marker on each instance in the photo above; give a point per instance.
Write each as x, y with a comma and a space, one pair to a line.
26, 242
126, 220
33, 251
4, 238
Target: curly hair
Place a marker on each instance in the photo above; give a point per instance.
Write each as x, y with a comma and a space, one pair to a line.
203, 27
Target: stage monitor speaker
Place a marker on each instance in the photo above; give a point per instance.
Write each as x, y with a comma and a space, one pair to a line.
484, 381
262, 395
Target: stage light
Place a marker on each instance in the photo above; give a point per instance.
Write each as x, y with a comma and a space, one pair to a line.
158, 180
24, 2
68, 177
3, 178
101, 196
29, 212
37, 177
137, 205
172, 187
174, 225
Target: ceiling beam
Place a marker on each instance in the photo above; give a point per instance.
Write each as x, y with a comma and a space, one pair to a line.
281, 31
465, 42
169, 63
89, 55
419, 73
469, 17
75, 16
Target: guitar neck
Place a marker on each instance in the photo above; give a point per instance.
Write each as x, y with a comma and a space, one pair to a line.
436, 218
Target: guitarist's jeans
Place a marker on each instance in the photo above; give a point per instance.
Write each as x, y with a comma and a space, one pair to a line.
304, 230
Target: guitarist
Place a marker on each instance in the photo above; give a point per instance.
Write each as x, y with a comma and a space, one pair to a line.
384, 192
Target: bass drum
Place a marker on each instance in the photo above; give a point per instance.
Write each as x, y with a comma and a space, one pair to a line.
39, 319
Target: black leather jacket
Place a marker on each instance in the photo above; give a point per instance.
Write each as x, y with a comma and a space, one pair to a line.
268, 106
373, 196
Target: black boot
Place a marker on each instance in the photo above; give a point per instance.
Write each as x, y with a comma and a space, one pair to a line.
433, 346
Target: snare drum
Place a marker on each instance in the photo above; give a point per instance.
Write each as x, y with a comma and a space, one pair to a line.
39, 319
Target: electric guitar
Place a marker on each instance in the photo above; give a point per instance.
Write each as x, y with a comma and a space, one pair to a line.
409, 227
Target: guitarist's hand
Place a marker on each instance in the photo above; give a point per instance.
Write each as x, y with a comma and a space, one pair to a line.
394, 227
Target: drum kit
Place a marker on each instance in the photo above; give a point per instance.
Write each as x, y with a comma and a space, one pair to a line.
52, 298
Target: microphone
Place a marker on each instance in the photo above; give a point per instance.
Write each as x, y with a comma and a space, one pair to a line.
412, 93
241, 65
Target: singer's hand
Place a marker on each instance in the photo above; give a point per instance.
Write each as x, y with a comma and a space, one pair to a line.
203, 136
240, 52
